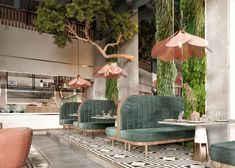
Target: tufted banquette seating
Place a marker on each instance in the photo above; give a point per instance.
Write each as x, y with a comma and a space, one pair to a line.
137, 121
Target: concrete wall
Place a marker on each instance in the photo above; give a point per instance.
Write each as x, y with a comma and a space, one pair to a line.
145, 81
30, 52
218, 36
97, 91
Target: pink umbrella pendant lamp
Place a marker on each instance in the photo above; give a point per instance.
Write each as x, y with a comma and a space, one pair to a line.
79, 82
110, 71
180, 46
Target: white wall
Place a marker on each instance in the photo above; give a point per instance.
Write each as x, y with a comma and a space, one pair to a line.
30, 52
34, 121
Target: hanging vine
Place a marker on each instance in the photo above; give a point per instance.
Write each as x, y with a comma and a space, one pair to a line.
111, 85
194, 70
166, 72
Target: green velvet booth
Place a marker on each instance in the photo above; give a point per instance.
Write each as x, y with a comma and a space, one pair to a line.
91, 108
223, 153
66, 109
137, 121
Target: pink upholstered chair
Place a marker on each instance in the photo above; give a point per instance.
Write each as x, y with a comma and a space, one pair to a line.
14, 146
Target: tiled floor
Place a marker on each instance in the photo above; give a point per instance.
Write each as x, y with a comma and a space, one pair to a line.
161, 156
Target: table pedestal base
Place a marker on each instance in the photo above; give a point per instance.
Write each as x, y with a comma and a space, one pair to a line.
200, 152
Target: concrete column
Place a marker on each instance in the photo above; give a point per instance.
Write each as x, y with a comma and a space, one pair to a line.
218, 36
127, 86
97, 90
130, 85
232, 67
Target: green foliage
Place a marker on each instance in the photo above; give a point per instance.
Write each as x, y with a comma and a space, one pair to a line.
111, 89
111, 85
194, 70
53, 17
166, 71
122, 25
50, 17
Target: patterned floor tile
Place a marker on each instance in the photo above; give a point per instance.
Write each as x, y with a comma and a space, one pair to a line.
35, 159
160, 156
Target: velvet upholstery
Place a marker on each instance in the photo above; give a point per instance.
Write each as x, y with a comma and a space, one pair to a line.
139, 116
66, 109
145, 111
157, 134
14, 144
91, 108
223, 152
95, 125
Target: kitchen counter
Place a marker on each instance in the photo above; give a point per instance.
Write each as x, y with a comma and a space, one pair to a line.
42, 109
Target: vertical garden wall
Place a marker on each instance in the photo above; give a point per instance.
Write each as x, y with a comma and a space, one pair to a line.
166, 71
189, 15
194, 70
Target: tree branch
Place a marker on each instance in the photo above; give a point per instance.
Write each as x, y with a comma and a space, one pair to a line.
92, 42
126, 56
102, 51
70, 29
113, 44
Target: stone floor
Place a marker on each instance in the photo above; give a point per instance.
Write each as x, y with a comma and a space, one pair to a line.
60, 155
36, 159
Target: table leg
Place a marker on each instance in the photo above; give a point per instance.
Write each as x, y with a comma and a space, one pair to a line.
200, 151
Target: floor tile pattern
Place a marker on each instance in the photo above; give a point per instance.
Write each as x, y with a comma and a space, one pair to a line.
160, 156
36, 159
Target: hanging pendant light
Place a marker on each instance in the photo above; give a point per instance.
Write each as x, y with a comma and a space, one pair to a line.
110, 71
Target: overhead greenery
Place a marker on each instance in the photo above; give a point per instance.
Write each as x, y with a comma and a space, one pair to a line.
58, 18
194, 70
166, 71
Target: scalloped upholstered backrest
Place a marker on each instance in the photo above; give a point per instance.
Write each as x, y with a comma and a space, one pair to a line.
145, 111
95, 107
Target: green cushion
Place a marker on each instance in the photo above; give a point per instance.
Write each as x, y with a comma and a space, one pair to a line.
75, 124
110, 131
96, 125
153, 134
91, 108
145, 111
223, 152
67, 121
66, 109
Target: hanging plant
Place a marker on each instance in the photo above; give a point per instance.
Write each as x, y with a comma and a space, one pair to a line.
166, 71
111, 85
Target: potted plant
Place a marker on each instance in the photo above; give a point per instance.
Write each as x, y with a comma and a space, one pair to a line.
191, 99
